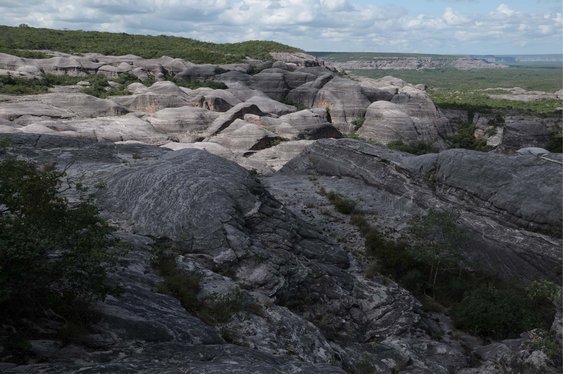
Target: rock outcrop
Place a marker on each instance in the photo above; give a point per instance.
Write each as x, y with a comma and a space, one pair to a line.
286, 270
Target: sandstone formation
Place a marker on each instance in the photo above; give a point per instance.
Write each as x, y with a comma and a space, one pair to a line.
232, 180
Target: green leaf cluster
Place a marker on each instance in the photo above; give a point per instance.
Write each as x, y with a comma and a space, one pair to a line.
52, 253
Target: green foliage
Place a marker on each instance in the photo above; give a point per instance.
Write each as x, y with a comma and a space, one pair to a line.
73, 41
500, 313
419, 148
430, 267
358, 122
546, 342
21, 86
555, 142
52, 254
342, 205
465, 138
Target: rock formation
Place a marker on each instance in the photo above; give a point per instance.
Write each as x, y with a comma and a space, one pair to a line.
285, 269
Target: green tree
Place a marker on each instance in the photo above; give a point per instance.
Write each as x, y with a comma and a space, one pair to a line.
439, 239
52, 253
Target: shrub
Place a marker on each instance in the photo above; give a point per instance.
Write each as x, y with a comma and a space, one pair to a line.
419, 148
465, 138
555, 142
342, 205
500, 313
52, 254
358, 122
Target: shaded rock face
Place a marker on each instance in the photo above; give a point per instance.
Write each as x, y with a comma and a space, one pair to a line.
503, 200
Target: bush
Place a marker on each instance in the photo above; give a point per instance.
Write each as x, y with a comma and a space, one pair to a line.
418, 148
52, 255
342, 205
555, 142
465, 138
500, 313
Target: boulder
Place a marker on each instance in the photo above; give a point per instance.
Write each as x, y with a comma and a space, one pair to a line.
200, 72
184, 119
236, 112
305, 94
215, 100
410, 117
159, 96
345, 102
270, 106
305, 124
102, 129
241, 137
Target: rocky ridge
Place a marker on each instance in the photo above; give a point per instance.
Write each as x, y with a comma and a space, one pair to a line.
416, 63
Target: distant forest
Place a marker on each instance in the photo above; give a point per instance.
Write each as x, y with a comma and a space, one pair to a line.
19, 40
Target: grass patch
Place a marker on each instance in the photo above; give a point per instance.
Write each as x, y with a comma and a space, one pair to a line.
342, 205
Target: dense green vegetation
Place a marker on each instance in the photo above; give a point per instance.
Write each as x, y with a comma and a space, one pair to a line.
427, 261
16, 39
53, 256
464, 88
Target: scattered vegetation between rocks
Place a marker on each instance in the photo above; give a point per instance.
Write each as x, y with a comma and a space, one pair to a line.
427, 261
185, 286
54, 258
195, 84
465, 138
555, 142
16, 39
358, 123
418, 148
99, 84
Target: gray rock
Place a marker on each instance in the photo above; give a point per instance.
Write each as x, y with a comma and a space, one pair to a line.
267, 105
236, 112
242, 137
305, 124
184, 119
344, 100
305, 94
159, 96
200, 72
497, 196
215, 100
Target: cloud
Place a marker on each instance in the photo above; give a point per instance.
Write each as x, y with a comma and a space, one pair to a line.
310, 24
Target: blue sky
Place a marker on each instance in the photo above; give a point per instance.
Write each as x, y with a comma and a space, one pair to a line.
415, 26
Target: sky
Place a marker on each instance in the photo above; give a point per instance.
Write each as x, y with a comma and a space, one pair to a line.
408, 26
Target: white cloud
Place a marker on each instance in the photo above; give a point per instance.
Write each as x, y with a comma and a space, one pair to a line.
309, 24
504, 10
451, 17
